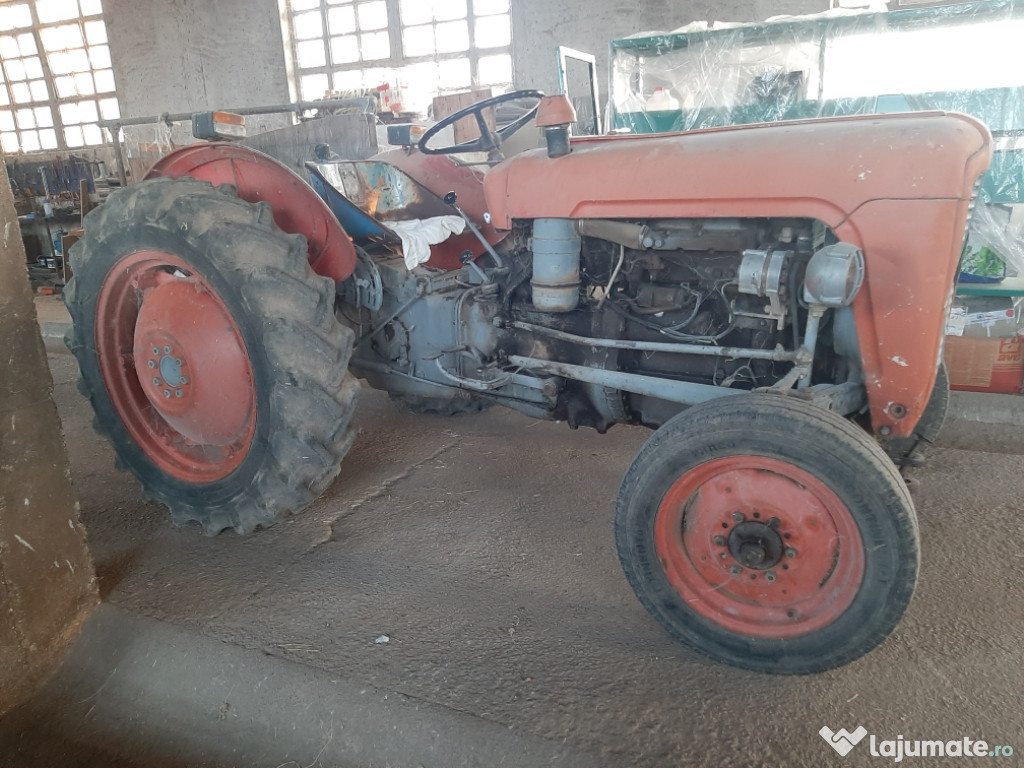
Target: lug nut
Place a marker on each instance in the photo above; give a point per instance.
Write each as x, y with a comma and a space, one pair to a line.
770, 576
177, 361
773, 523
720, 541
156, 380
736, 570
184, 379
156, 350
737, 517
167, 393
790, 553
177, 393
167, 350
151, 363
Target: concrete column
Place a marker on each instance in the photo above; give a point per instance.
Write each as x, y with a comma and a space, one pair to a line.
47, 582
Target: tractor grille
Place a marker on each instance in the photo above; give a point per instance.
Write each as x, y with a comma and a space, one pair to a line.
975, 192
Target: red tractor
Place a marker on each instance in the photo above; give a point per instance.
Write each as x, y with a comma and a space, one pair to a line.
769, 299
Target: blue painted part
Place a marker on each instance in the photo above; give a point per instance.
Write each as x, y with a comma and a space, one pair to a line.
359, 225
170, 370
372, 185
399, 190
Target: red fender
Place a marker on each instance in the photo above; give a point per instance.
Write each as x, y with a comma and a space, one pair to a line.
297, 208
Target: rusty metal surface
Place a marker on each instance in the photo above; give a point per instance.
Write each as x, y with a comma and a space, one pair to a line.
325, 179
385, 192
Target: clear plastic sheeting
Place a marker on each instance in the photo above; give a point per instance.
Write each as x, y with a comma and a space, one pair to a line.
995, 244
962, 58
1004, 182
145, 144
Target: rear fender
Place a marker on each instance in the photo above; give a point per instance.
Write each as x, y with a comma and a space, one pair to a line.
297, 209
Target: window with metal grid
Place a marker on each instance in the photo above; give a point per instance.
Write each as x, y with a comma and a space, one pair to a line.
56, 75
429, 47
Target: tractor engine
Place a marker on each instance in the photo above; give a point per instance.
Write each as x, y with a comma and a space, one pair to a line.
549, 323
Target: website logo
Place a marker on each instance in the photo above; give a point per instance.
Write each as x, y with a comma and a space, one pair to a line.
842, 741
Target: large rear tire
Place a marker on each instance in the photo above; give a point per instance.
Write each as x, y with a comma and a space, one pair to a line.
768, 534
210, 353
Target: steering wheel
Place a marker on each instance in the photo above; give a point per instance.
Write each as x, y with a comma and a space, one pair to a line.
488, 139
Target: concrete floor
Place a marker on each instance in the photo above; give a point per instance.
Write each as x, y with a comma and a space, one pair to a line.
482, 546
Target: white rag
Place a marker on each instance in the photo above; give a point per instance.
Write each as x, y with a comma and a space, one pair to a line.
419, 234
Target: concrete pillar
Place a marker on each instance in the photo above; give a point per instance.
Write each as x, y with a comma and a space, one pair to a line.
47, 582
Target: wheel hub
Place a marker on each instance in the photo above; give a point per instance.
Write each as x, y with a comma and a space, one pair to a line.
175, 366
755, 545
192, 365
759, 546
170, 369
165, 375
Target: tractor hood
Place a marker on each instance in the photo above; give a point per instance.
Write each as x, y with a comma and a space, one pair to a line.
824, 168
897, 186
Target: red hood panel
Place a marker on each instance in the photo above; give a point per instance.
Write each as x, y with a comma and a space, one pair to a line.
827, 167
898, 186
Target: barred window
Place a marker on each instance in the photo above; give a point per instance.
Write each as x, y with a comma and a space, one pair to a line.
427, 46
56, 76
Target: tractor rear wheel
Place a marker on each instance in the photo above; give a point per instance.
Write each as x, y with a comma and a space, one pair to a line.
768, 534
210, 353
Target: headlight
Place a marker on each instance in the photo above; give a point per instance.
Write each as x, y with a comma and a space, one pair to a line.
834, 275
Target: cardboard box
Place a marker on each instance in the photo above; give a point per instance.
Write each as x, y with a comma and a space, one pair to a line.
985, 365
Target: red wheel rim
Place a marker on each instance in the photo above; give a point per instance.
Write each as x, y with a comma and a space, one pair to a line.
175, 367
760, 547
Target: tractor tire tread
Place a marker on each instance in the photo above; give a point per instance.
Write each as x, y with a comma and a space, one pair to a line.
301, 364
788, 422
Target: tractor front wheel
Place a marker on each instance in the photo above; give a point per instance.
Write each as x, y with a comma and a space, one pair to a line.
768, 534
210, 353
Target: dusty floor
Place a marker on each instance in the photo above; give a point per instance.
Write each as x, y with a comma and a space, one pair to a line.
483, 547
